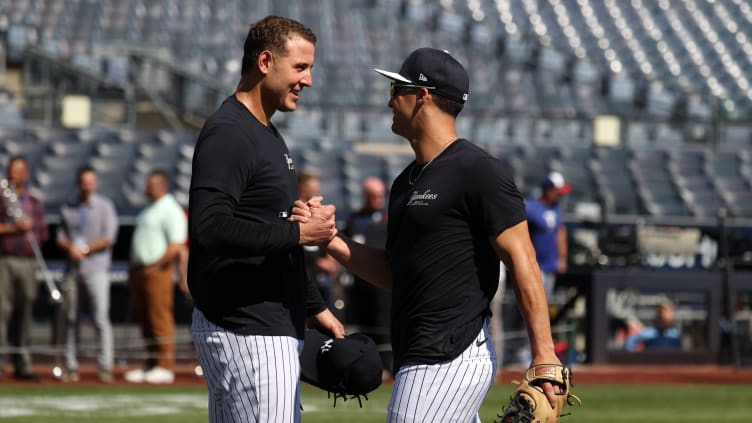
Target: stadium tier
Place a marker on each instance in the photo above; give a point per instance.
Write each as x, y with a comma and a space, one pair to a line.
651, 58
662, 182
543, 72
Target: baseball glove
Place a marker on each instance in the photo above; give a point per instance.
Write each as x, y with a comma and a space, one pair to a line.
529, 404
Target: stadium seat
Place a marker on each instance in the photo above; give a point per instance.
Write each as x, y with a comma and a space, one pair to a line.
114, 150
540, 71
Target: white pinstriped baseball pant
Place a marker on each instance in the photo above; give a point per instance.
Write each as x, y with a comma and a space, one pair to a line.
250, 378
451, 391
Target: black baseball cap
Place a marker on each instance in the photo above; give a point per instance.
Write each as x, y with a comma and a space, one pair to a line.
349, 365
430, 67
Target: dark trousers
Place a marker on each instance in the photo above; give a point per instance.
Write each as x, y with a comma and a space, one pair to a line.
18, 290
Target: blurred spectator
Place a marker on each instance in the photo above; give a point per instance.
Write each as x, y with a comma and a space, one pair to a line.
87, 232
18, 266
367, 306
309, 185
373, 210
547, 230
549, 237
156, 249
663, 335
322, 268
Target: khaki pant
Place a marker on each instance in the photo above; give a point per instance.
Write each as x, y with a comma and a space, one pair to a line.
152, 296
18, 290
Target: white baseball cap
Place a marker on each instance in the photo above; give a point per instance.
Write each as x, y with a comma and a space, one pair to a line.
556, 180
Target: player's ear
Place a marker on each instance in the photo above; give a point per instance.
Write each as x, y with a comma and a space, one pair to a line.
264, 61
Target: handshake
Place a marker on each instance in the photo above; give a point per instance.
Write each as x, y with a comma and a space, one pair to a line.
317, 223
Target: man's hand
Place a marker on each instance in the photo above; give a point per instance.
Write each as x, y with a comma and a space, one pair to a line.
304, 211
551, 390
75, 254
317, 221
23, 225
561, 265
528, 403
183, 285
327, 323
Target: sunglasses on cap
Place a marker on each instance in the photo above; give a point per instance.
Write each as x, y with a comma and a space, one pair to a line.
394, 85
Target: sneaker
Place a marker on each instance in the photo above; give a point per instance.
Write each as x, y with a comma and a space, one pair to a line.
27, 377
134, 376
159, 375
70, 376
65, 375
105, 376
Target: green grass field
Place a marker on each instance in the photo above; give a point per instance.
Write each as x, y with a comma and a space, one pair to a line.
612, 404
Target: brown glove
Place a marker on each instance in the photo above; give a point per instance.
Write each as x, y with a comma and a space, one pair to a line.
529, 403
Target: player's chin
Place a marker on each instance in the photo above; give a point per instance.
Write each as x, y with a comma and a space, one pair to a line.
396, 128
290, 103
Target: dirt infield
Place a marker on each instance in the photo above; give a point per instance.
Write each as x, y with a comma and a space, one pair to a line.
582, 375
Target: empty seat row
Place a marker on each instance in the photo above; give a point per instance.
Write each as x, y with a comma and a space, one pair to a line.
659, 181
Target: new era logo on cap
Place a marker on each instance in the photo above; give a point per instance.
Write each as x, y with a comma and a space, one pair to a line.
436, 68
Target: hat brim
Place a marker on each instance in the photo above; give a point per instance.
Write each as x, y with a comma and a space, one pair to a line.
565, 189
308, 358
394, 76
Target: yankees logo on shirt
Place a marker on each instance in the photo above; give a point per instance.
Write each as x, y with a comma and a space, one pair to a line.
418, 198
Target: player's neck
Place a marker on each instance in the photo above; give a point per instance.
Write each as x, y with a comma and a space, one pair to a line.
427, 149
433, 139
249, 94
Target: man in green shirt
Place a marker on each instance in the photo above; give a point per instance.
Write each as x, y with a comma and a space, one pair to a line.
158, 244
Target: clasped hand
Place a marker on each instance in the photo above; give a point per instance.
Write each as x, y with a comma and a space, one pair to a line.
317, 222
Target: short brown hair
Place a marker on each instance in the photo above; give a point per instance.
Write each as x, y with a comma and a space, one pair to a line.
84, 169
306, 175
271, 33
447, 105
162, 175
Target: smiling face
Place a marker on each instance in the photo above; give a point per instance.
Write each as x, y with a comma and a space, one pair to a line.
288, 73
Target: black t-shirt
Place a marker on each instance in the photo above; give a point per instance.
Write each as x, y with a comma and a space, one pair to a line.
246, 270
444, 267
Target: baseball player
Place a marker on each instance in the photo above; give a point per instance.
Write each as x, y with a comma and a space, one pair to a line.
453, 212
246, 269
